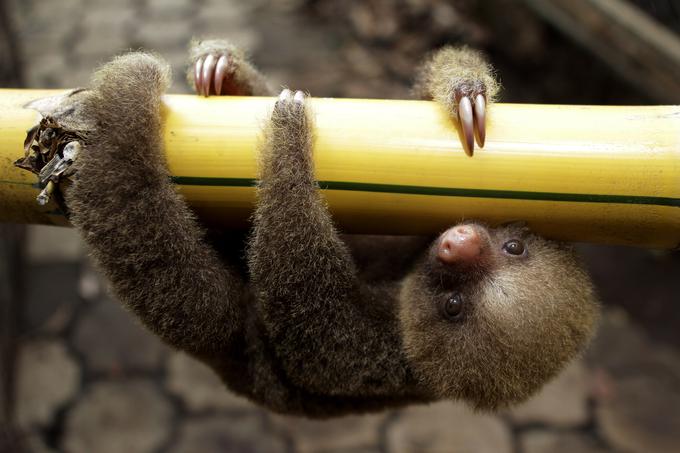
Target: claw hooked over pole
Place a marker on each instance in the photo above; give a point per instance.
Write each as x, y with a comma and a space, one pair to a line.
198, 76
208, 69
220, 73
480, 119
465, 115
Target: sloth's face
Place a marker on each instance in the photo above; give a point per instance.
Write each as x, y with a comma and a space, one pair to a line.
491, 314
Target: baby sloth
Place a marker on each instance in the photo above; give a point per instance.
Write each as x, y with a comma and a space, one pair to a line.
485, 315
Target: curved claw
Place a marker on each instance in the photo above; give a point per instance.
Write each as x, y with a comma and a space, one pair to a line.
198, 76
285, 95
467, 124
480, 119
299, 97
208, 70
220, 73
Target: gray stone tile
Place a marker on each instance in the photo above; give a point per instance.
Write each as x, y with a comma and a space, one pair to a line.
164, 35
636, 387
47, 378
79, 75
559, 442
51, 296
562, 402
114, 417
641, 414
345, 433
112, 5
243, 433
112, 341
170, 9
49, 244
105, 32
90, 285
621, 346
447, 426
199, 388
374, 449
36, 444
229, 11
49, 74
93, 52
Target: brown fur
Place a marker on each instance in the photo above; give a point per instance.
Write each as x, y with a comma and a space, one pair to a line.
525, 319
244, 74
451, 73
307, 331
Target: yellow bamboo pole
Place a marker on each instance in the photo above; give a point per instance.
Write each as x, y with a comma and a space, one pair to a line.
583, 173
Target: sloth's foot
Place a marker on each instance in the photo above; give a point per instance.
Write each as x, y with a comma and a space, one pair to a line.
462, 82
220, 68
218, 74
294, 103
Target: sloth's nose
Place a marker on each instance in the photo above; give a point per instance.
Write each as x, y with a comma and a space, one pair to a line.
460, 244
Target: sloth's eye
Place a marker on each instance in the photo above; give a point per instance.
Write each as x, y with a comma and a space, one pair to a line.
514, 247
453, 306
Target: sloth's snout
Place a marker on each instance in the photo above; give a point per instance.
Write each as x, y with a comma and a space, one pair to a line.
461, 244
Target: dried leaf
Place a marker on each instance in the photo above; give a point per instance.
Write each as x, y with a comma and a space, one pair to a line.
52, 145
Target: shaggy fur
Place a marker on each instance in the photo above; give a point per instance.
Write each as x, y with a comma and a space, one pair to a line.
451, 73
308, 329
245, 80
525, 318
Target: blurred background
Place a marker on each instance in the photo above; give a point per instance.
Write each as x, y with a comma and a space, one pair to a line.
78, 373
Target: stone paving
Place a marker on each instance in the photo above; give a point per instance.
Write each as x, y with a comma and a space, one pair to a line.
91, 379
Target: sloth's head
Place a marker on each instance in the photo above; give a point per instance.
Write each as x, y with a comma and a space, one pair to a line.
491, 314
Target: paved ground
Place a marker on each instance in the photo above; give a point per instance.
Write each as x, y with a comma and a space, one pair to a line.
90, 379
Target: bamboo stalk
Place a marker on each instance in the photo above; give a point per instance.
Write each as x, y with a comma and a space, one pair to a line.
582, 173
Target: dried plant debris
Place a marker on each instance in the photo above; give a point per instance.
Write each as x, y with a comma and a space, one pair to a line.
52, 145
49, 152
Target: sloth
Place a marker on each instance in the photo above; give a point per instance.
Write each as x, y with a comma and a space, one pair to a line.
293, 315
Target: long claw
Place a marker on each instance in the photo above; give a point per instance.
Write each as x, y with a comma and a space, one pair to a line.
220, 73
198, 76
467, 124
208, 70
480, 119
299, 97
284, 95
